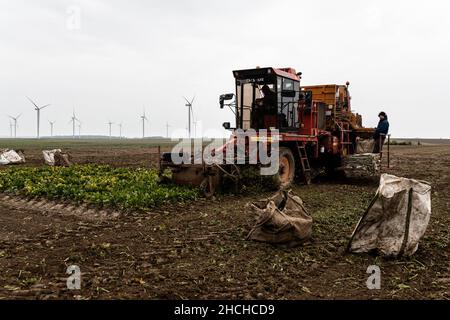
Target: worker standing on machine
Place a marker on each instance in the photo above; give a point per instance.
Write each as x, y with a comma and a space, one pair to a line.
381, 132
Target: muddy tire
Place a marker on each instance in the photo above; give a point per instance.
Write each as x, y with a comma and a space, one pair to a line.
207, 187
210, 185
286, 171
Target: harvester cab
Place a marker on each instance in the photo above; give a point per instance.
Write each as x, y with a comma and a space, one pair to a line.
266, 98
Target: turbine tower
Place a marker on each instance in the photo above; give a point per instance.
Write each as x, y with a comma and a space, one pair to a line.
167, 129
110, 125
195, 128
190, 113
120, 129
73, 119
79, 128
11, 126
144, 118
38, 110
15, 124
52, 123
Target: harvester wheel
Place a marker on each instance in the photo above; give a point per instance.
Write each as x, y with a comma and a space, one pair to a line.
286, 171
208, 187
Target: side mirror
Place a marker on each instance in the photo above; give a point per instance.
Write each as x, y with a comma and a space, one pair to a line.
225, 97
226, 125
288, 93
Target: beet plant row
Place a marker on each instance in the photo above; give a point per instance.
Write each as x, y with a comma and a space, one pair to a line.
124, 188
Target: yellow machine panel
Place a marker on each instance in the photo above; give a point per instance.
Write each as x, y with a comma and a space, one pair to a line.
330, 94
323, 93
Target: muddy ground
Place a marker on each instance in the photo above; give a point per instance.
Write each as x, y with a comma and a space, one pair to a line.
198, 250
115, 156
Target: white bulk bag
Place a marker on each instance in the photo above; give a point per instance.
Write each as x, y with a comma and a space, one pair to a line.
11, 157
396, 220
49, 156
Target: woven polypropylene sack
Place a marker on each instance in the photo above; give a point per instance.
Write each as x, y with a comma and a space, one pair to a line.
281, 220
396, 220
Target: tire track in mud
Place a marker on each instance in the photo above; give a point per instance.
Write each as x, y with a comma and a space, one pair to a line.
56, 208
121, 255
36, 237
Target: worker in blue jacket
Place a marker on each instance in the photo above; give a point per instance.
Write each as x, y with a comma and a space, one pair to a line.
381, 132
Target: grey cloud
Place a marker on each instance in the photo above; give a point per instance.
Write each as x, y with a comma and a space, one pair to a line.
128, 54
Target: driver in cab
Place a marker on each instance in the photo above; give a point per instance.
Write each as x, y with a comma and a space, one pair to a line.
269, 101
265, 106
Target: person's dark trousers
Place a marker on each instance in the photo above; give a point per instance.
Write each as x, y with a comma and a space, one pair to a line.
378, 145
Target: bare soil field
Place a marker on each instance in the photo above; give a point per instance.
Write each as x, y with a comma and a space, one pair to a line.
197, 250
116, 152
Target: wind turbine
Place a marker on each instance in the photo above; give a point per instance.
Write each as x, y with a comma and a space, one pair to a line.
190, 112
10, 129
79, 128
167, 129
73, 119
144, 118
51, 127
110, 124
15, 124
195, 128
120, 129
38, 109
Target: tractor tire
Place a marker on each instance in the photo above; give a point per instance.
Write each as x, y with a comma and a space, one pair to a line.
286, 171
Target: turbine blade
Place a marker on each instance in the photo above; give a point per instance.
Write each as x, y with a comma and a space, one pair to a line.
186, 100
44, 106
192, 100
33, 102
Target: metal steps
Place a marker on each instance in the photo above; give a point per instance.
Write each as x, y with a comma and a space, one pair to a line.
306, 168
345, 141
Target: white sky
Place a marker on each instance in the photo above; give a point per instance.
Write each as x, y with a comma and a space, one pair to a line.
127, 54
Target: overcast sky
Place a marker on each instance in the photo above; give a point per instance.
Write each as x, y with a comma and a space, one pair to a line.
116, 57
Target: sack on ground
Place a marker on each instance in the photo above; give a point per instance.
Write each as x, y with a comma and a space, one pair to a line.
11, 157
396, 220
56, 158
281, 220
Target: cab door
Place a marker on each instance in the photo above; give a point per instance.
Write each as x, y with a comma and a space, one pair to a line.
288, 92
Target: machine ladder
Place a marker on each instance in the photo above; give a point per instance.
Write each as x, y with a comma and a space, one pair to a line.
346, 144
304, 162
